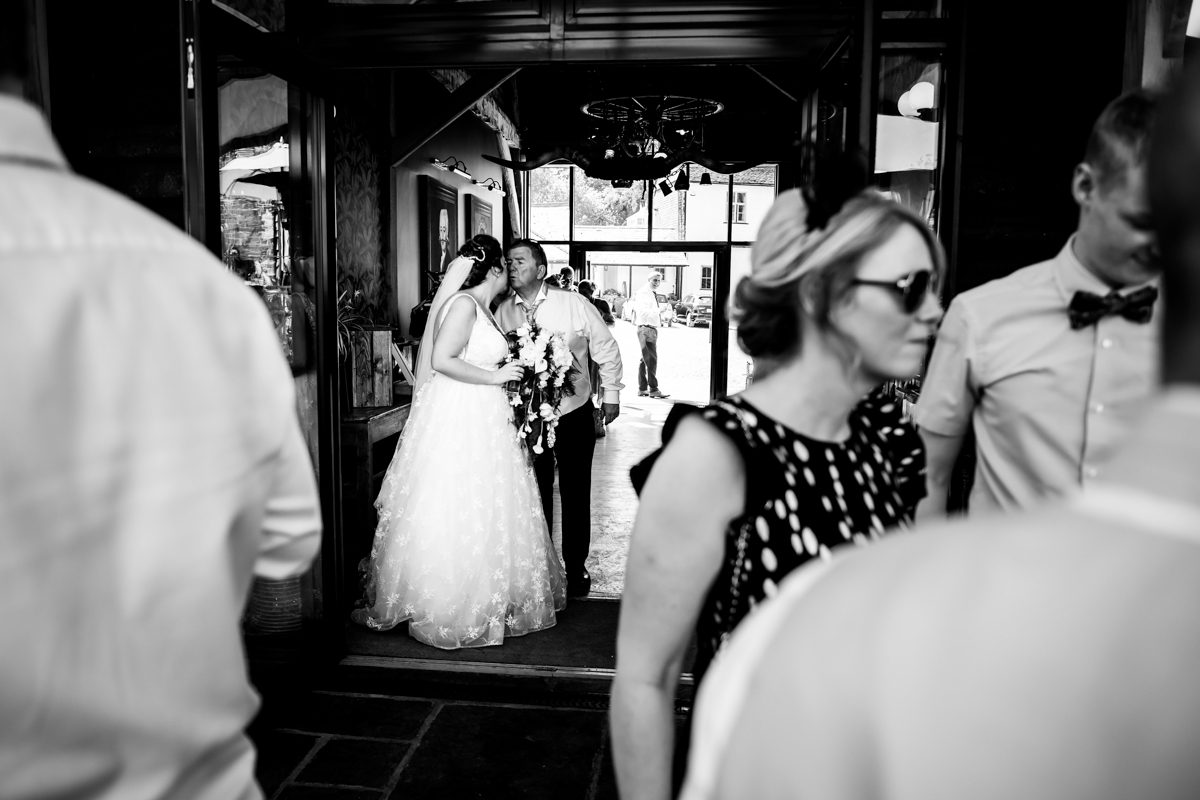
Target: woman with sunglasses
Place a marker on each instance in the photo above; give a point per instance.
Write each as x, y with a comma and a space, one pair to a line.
808, 459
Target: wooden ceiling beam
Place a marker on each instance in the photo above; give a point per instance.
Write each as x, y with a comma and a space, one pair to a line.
550, 31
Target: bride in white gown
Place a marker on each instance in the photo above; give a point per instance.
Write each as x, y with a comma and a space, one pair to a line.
462, 552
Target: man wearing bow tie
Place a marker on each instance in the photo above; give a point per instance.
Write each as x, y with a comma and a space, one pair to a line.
1050, 365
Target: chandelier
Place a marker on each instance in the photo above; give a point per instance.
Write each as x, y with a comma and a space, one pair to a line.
648, 127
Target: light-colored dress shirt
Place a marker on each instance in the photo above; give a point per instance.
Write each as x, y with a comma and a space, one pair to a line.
1048, 404
646, 310
151, 464
1045, 654
573, 315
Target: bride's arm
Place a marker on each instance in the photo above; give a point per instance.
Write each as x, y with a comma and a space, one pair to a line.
451, 338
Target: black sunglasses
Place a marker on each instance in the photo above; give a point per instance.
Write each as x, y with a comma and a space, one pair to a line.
911, 289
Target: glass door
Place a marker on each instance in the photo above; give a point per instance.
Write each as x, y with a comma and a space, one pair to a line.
682, 346
256, 196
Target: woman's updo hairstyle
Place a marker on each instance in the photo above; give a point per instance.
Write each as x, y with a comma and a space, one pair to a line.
807, 254
485, 251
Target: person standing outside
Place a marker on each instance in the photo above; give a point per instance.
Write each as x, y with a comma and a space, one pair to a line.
145, 486
573, 315
647, 316
1050, 365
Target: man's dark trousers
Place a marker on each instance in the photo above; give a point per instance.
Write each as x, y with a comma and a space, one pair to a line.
574, 445
648, 367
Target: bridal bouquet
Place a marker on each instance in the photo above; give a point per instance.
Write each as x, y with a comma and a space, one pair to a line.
549, 377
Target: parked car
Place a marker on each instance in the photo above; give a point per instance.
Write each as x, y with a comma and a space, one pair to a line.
701, 312
685, 305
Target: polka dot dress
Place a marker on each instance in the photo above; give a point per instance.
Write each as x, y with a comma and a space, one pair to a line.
804, 499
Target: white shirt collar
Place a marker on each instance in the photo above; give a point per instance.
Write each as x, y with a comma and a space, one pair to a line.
541, 295
24, 134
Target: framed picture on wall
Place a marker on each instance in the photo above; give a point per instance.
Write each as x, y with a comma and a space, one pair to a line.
438, 206
479, 216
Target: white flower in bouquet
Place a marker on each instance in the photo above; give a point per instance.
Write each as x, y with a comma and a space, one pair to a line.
541, 366
547, 412
522, 332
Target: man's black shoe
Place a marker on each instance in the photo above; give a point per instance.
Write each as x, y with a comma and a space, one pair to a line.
579, 585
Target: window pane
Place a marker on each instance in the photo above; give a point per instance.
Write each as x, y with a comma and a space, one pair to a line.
549, 212
557, 257
706, 206
907, 130
671, 209
604, 212
753, 194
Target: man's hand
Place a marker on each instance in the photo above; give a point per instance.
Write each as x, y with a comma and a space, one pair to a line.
611, 412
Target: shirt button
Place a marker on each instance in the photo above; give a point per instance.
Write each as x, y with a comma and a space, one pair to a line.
1098, 408
1090, 472
1106, 343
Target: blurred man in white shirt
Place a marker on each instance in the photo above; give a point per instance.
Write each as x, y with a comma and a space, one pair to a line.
151, 464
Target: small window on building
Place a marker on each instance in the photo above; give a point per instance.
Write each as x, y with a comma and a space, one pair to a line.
739, 206
706, 278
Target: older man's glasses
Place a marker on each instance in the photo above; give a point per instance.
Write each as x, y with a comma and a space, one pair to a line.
911, 289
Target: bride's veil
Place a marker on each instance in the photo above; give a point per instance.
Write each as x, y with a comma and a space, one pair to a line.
456, 274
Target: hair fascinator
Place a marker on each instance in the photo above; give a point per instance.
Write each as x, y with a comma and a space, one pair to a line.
836, 176
798, 216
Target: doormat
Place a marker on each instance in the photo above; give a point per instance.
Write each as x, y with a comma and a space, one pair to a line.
585, 637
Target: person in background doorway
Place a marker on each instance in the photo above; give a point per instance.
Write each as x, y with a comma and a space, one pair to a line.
566, 279
809, 459
152, 465
1050, 365
588, 290
1045, 653
552, 309
647, 316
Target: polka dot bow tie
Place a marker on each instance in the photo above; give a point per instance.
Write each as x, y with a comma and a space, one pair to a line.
1088, 309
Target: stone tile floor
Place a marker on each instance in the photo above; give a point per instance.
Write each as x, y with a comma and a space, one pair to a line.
339, 744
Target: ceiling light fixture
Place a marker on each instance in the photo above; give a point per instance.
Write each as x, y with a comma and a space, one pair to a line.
706, 179
452, 164
491, 184
665, 187
683, 182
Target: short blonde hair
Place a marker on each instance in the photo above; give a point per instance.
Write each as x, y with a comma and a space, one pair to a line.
789, 260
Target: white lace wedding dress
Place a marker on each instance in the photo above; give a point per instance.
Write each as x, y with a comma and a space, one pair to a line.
462, 552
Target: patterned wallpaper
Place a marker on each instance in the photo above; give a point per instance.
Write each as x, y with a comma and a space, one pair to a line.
360, 253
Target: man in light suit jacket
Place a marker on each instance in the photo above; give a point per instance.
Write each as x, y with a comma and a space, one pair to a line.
573, 315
